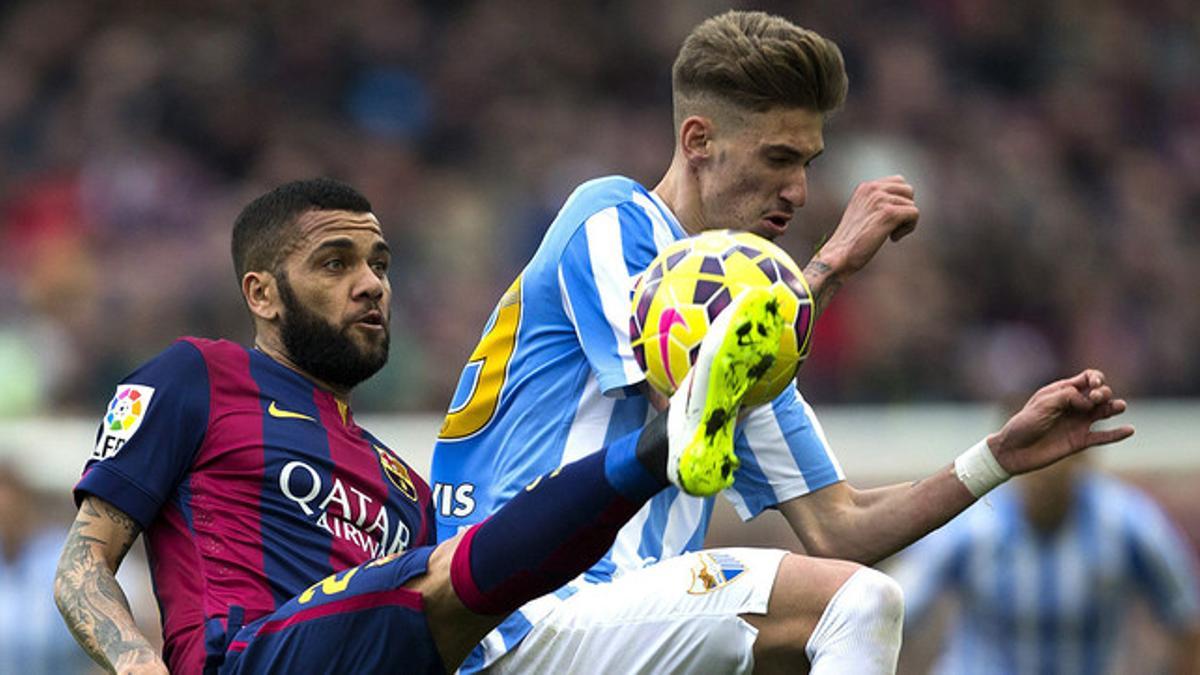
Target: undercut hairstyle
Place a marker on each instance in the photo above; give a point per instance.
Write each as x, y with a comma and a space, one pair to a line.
264, 229
754, 61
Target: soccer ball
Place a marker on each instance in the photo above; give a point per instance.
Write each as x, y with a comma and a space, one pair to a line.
688, 285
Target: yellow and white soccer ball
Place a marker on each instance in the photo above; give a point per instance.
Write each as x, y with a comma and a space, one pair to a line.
691, 282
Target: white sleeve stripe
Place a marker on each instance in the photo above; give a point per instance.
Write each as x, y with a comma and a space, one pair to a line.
673, 225
590, 422
566, 302
820, 430
663, 234
762, 430
611, 276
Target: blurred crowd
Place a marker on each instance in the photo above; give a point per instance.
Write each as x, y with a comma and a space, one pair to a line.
1055, 148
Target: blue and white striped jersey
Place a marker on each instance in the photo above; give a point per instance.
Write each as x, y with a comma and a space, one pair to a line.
1049, 603
33, 638
554, 378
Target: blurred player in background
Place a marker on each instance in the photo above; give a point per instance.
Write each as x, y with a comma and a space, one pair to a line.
1047, 575
33, 640
285, 538
554, 375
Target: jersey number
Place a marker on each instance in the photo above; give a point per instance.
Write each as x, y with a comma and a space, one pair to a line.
329, 586
492, 354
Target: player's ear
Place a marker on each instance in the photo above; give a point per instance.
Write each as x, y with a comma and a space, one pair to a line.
261, 291
695, 138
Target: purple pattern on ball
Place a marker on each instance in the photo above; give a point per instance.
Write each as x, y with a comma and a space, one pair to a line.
718, 303
792, 282
749, 251
639, 355
711, 265
643, 307
656, 273
802, 320
704, 290
674, 259
768, 268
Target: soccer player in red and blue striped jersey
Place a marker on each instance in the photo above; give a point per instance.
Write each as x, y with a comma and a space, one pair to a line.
283, 537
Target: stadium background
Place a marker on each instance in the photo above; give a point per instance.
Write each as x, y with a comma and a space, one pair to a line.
1055, 148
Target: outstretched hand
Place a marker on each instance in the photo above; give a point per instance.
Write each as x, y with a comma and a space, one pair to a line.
1057, 422
878, 210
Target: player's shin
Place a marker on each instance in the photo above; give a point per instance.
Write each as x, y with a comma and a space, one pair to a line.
559, 526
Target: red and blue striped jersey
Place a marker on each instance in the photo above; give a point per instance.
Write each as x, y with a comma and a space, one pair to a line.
251, 483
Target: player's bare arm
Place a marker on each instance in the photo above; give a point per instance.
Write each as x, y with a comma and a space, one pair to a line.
89, 597
869, 525
878, 210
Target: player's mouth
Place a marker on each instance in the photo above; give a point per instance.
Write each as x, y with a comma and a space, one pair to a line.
776, 223
371, 320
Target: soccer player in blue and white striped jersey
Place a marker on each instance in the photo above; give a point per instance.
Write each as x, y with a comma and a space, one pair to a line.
554, 374
1047, 577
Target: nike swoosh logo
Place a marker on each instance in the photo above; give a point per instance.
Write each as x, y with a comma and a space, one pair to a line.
275, 411
665, 321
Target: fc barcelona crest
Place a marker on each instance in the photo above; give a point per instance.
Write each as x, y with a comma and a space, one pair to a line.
397, 473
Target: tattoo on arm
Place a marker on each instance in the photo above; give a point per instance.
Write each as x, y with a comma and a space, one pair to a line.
86, 590
822, 282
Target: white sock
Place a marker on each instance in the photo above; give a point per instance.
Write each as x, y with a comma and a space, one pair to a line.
859, 631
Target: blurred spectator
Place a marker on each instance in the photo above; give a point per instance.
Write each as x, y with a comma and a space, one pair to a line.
33, 638
1047, 571
1055, 148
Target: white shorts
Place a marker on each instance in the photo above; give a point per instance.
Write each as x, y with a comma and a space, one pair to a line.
680, 615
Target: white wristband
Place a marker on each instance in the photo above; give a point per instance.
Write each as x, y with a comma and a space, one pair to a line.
978, 469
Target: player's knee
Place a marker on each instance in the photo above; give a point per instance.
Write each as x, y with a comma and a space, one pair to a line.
882, 598
860, 629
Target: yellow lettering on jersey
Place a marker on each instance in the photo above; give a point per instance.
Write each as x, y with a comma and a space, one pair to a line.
343, 409
493, 353
330, 585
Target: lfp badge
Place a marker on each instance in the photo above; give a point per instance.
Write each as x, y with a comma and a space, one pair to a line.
125, 413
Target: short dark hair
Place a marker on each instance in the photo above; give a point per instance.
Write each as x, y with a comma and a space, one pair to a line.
260, 231
756, 61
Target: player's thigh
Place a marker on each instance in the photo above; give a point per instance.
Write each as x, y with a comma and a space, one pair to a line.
360, 620
682, 615
803, 587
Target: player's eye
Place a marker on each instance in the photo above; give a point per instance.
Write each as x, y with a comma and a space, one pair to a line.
380, 267
334, 265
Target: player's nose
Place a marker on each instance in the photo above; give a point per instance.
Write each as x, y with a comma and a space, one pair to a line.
795, 191
369, 284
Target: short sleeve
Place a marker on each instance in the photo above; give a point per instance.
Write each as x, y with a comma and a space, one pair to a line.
596, 275
783, 454
149, 434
